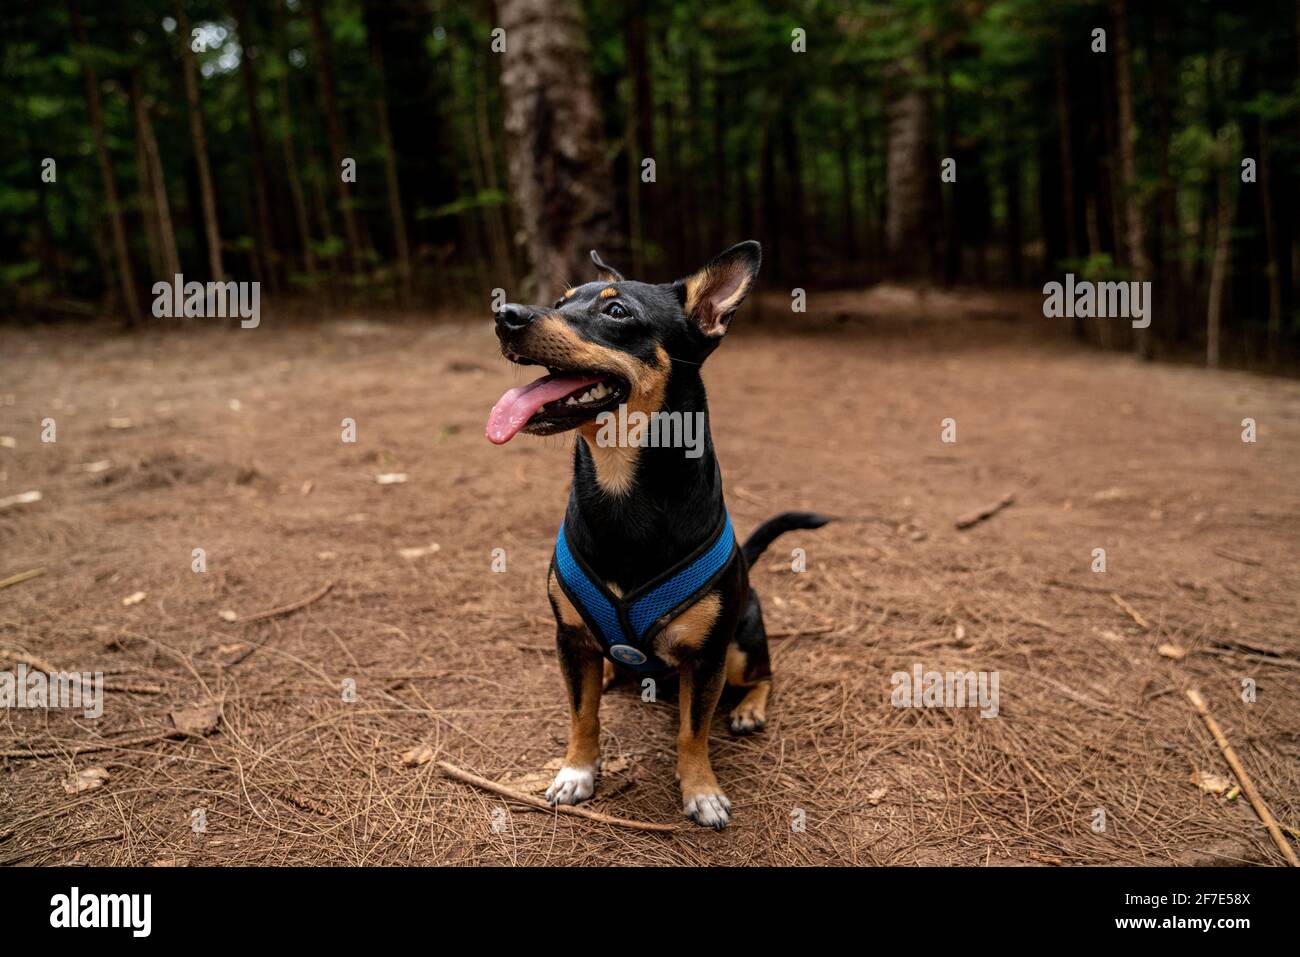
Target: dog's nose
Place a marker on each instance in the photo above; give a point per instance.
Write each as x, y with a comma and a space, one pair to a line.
512, 317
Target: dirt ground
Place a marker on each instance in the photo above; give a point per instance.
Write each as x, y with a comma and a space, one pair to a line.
230, 441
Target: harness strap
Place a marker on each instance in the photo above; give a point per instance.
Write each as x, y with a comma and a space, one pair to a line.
627, 625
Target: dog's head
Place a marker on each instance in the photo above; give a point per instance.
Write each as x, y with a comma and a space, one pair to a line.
614, 341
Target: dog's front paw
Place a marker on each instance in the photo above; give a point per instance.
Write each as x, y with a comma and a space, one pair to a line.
572, 785
707, 808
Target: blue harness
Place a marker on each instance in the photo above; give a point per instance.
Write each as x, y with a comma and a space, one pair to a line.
626, 626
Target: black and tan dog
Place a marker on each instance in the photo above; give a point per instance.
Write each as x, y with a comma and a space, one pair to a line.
647, 573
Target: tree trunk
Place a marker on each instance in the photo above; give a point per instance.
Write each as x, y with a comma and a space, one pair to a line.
1219, 268
334, 129
144, 180
719, 219
395, 208
1169, 242
906, 179
170, 257
291, 166
640, 131
849, 220
1270, 236
121, 254
1135, 232
557, 157
791, 199
1067, 157
498, 229
208, 196
1011, 182
261, 168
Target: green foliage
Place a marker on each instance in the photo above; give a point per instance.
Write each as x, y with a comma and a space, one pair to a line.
748, 134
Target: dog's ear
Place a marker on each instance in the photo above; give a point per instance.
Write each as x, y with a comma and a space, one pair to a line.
710, 296
605, 272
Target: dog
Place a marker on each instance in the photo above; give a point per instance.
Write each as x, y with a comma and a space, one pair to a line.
647, 575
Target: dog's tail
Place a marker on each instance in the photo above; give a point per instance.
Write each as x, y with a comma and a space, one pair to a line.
767, 533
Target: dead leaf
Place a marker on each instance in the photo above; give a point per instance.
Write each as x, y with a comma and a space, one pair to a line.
959, 632
120, 422
227, 615
103, 465
614, 765
134, 599
22, 498
1176, 652
1210, 783
87, 779
875, 796
391, 478
413, 553
199, 719
1109, 494
417, 756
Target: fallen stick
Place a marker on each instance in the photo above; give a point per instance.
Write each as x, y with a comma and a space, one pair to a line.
466, 777
1132, 612
801, 632
40, 664
286, 609
1233, 557
988, 511
21, 577
149, 738
1247, 784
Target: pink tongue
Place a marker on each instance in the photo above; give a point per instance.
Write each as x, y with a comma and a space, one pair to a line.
516, 407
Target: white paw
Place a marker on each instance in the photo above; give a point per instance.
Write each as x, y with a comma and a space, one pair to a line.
708, 809
572, 785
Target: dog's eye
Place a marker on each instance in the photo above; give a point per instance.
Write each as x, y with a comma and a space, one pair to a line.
558, 304
615, 310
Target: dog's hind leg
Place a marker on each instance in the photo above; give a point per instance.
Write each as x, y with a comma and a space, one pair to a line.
748, 666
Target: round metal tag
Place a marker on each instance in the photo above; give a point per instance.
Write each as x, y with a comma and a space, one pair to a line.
627, 655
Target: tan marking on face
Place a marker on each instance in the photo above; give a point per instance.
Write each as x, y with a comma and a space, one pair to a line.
685, 633
615, 464
609, 292
568, 293
553, 342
